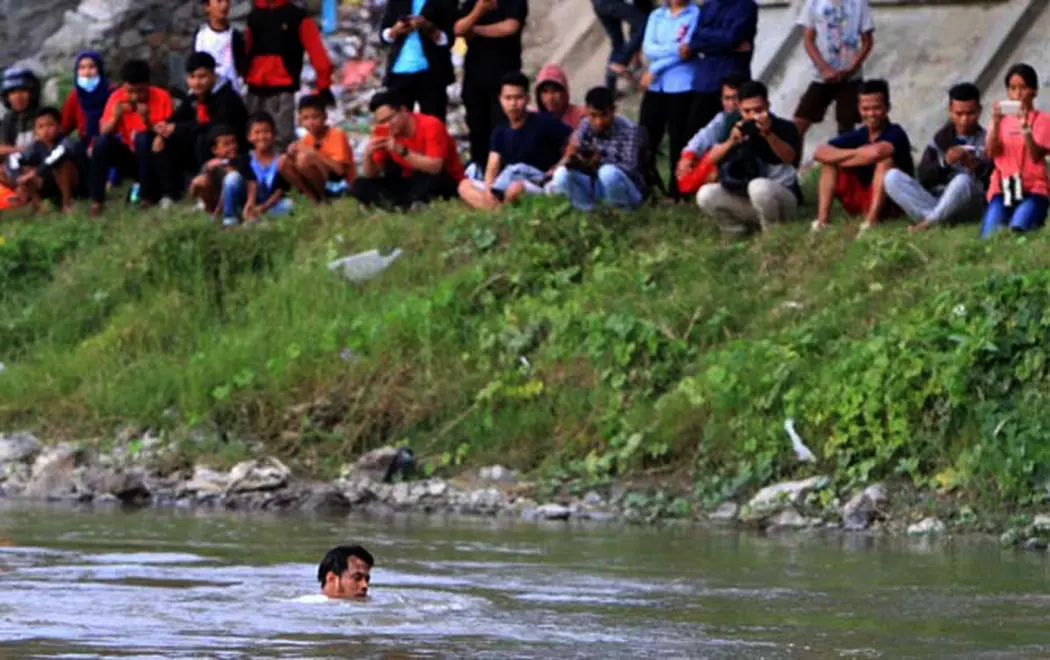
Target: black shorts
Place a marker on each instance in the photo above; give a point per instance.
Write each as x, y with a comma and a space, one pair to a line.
819, 96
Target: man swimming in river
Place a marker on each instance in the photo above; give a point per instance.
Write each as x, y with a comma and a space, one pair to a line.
345, 572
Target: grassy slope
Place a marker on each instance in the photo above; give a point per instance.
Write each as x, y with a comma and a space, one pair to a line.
652, 345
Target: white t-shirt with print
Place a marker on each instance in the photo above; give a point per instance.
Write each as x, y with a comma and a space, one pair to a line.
839, 25
220, 46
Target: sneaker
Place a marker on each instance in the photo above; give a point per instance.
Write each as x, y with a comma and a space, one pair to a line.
200, 205
817, 227
166, 203
230, 222
864, 228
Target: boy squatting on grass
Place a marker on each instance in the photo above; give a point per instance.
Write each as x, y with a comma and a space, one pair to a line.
321, 164
246, 186
48, 169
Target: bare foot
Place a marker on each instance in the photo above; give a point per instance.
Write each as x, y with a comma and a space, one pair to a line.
94, 210
921, 226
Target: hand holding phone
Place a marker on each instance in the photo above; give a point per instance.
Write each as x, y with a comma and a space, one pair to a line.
1010, 108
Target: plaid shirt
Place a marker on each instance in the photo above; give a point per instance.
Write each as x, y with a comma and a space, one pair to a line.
619, 145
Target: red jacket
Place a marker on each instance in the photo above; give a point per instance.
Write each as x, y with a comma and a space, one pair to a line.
275, 57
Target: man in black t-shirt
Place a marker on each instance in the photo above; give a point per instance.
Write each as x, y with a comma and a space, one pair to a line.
492, 29
522, 153
758, 161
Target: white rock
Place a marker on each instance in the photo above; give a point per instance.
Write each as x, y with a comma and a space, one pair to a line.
726, 512
789, 518
204, 480
374, 465
553, 512
259, 474
859, 512
771, 499
927, 526
18, 447
497, 474
1041, 523
592, 500
436, 488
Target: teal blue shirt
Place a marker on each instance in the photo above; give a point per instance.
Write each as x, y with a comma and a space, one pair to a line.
411, 58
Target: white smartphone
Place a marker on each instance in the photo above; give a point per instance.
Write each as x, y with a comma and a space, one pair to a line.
1009, 108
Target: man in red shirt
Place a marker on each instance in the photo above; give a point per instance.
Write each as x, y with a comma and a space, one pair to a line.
410, 160
124, 131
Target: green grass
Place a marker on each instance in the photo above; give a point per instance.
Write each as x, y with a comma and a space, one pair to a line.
578, 347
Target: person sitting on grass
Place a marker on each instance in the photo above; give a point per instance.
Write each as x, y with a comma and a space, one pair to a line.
694, 168
321, 163
953, 171
602, 163
82, 110
124, 132
552, 96
182, 143
410, 160
50, 167
759, 186
207, 187
20, 92
522, 153
1019, 141
854, 165
248, 186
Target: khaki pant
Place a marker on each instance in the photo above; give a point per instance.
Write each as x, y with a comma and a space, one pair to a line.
766, 203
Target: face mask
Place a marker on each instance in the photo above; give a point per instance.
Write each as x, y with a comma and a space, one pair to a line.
88, 84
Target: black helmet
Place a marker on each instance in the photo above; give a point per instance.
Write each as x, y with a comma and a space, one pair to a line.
16, 78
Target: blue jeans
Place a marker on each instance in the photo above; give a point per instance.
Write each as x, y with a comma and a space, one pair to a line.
1028, 215
235, 196
515, 172
611, 186
613, 14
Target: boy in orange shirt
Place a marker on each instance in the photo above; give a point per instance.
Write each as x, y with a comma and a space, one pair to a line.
321, 164
125, 131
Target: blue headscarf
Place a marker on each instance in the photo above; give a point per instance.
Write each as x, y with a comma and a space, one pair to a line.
94, 102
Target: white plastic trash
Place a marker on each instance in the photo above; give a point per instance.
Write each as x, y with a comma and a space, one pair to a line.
363, 266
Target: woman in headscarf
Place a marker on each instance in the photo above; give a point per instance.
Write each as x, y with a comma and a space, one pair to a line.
83, 108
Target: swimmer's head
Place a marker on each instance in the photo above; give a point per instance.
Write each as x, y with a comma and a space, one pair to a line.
345, 572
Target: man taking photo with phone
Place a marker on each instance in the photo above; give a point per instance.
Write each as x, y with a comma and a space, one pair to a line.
757, 164
420, 36
410, 160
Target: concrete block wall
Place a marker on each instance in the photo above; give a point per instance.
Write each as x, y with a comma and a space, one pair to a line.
921, 47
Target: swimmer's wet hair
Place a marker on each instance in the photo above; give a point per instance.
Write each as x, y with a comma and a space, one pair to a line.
337, 560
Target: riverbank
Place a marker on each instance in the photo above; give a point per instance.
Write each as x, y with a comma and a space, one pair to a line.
640, 357
382, 483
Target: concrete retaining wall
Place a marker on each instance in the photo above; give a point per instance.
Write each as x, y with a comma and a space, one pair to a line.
921, 47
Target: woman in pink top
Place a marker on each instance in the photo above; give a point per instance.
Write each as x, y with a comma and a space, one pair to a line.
1017, 196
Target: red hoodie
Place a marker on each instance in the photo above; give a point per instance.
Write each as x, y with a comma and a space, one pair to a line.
552, 73
278, 35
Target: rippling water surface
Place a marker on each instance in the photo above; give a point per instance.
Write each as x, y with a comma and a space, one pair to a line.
90, 583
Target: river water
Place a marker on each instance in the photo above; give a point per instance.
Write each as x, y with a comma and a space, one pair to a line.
104, 583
